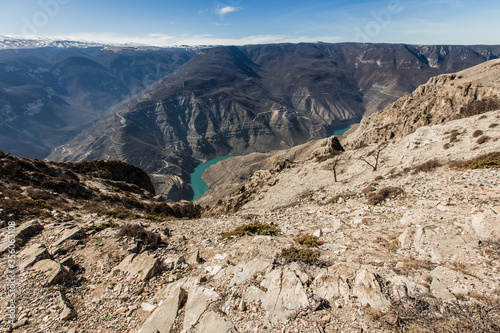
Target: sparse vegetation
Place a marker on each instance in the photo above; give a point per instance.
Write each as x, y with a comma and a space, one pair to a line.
477, 133
101, 227
383, 194
376, 156
427, 314
137, 231
427, 166
119, 214
293, 254
487, 161
479, 107
493, 125
309, 240
254, 228
482, 139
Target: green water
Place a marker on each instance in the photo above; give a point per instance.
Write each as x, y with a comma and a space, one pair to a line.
197, 184
341, 131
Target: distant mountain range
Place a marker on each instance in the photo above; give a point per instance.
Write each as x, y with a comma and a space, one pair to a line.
236, 100
52, 90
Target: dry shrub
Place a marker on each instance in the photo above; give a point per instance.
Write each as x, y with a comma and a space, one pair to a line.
482, 139
137, 231
426, 314
477, 133
384, 193
427, 166
493, 125
309, 240
446, 146
294, 254
255, 228
479, 107
487, 161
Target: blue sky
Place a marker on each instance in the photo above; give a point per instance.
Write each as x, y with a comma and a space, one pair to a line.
237, 22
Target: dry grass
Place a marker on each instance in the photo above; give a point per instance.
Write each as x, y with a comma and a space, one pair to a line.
427, 166
383, 194
487, 161
294, 254
138, 232
309, 240
255, 228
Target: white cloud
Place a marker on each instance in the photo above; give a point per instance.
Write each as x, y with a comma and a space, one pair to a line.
222, 11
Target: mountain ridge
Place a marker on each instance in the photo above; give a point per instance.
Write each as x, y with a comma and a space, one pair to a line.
237, 100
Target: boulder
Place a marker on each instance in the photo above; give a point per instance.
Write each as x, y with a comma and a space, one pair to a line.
68, 311
54, 272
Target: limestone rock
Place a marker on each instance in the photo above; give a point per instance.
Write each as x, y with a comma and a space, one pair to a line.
249, 269
68, 311
367, 289
54, 272
138, 266
31, 255
70, 231
22, 234
213, 322
163, 318
198, 300
285, 295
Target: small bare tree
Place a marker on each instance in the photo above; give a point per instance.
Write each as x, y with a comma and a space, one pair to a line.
376, 156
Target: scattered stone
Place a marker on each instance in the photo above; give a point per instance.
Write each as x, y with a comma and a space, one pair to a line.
248, 270
148, 307
23, 233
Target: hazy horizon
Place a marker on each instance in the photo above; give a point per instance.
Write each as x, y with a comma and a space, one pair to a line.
240, 22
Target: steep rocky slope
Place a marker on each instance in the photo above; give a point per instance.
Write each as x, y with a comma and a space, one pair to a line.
443, 98
258, 98
49, 94
411, 246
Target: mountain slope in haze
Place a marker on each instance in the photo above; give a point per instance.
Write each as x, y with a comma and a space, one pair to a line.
259, 98
50, 94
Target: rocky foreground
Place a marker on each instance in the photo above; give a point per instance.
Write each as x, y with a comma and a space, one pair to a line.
413, 246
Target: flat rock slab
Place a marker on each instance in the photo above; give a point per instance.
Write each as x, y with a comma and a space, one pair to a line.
54, 272
33, 254
69, 232
198, 300
285, 295
249, 269
163, 318
213, 322
22, 234
139, 266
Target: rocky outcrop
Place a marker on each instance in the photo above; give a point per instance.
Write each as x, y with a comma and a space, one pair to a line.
441, 99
